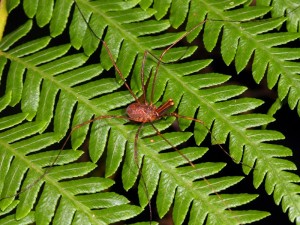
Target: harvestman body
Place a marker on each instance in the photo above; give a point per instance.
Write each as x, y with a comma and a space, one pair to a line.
144, 113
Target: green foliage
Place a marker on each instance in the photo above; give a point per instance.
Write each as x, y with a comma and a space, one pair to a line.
49, 85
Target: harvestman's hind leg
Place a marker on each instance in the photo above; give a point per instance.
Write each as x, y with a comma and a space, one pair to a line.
135, 142
135, 152
90, 121
48, 169
161, 135
171, 145
199, 121
212, 136
207, 128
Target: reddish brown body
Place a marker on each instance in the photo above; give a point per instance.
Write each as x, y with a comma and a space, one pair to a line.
143, 113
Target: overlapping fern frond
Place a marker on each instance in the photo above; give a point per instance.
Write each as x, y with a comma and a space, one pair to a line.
53, 87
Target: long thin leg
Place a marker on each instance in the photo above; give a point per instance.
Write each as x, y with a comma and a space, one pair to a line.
200, 121
139, 169
166, 140
109, 54
166, 50
144, 86
48, 169
208, 183
143, 77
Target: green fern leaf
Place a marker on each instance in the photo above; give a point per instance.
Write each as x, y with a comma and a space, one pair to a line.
56, 86
290, 9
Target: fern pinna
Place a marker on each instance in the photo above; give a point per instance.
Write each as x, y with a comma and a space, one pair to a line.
48, 84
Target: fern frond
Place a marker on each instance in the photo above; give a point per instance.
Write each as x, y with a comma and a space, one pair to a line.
290, 9
55, 87
240, 41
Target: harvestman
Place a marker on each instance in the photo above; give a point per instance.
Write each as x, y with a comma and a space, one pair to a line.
142, 111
